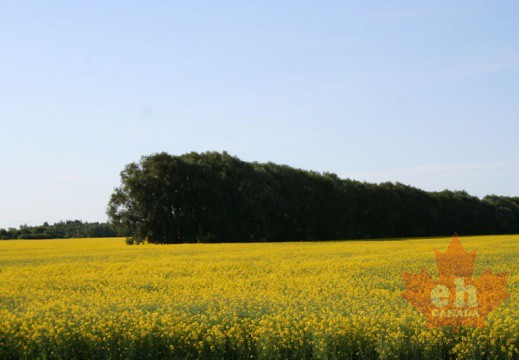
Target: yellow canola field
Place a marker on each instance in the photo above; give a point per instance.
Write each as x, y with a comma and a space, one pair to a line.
103, 299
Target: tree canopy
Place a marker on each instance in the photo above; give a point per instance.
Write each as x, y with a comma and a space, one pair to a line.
216, 197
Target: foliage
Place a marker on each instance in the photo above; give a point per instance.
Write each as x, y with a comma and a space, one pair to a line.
100, 299
215, 197
60, 230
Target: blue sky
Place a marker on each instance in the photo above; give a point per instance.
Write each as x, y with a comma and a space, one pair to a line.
425, 93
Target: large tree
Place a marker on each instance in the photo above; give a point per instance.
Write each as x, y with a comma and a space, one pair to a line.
215, 197
158, 199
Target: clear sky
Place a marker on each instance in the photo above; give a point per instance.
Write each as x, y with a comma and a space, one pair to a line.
421, 92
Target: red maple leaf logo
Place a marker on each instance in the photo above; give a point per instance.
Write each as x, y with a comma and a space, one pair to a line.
455, 299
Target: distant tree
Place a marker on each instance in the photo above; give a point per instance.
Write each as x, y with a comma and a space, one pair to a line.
68, 229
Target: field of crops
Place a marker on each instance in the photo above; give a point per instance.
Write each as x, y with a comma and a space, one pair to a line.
103, 299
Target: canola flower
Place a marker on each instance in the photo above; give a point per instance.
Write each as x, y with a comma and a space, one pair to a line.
102, 299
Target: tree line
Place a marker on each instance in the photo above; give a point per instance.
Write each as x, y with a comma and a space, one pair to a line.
216, 197
60, 230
